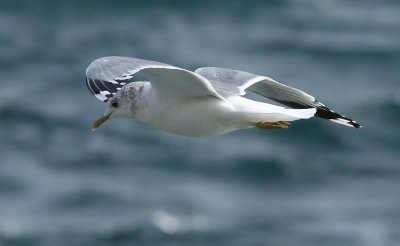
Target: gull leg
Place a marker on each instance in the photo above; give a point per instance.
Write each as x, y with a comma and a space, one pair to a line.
272, 125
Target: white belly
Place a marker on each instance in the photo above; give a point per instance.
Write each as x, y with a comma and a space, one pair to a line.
204, 116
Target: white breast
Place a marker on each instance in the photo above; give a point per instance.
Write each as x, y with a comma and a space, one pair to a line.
201, 116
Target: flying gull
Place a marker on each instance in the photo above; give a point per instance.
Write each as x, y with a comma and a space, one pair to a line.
206, 102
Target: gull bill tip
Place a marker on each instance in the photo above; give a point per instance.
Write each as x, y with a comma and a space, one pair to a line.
100, 121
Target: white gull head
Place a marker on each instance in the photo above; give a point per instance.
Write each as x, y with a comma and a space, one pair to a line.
123, 104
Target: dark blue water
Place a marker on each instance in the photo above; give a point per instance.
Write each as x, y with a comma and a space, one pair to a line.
317, 183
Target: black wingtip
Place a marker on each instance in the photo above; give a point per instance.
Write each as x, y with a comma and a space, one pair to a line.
326, 113
323, 112
103, 90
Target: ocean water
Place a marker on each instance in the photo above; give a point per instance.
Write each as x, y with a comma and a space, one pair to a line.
317, 183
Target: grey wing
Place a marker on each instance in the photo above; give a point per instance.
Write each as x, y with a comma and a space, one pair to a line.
228, 82
234, 83
105, 76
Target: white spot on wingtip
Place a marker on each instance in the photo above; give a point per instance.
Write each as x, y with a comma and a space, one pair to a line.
101, 97
342, 122
105, 93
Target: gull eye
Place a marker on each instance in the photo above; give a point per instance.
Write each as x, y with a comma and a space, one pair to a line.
114, 104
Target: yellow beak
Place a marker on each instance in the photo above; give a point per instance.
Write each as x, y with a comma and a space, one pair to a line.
100, 121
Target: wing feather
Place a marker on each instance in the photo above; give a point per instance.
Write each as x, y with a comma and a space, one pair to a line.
229, 83
107, 75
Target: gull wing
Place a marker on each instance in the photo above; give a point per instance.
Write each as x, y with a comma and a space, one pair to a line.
229, 83
107, 75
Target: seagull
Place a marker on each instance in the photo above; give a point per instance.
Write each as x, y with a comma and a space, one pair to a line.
206, 102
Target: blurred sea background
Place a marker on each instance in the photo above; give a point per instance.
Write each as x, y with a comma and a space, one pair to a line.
317, 183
